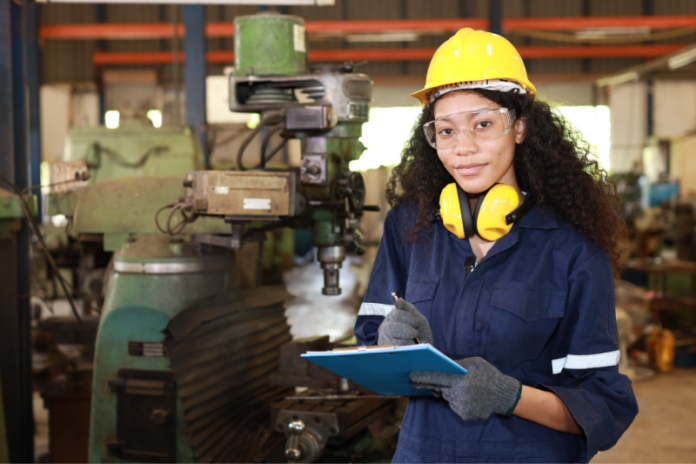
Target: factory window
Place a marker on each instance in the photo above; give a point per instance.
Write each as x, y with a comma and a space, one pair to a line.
384, 136
389, 128
156, 117
595, 126
111, 119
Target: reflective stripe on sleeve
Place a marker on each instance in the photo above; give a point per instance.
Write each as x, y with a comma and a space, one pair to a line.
374, 309
586, 361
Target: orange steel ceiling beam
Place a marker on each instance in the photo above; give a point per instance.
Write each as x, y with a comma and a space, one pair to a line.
218, 29
99, 31
400, 54
593, 22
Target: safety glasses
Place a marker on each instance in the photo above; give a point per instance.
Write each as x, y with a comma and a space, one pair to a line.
480, 126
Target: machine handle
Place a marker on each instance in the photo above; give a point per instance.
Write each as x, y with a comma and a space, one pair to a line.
292, 447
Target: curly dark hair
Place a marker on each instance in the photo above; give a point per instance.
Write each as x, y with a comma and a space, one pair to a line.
553, 163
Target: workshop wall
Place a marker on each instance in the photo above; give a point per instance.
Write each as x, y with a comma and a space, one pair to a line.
675, 107
628, 125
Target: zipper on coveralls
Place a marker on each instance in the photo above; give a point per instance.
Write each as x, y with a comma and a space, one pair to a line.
469, 264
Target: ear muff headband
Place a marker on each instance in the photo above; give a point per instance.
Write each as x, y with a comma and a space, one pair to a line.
497, 209
467, 218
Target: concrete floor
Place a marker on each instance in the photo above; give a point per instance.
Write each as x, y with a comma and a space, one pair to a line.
665, 428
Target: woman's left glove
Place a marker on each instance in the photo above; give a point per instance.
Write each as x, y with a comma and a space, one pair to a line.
484, 390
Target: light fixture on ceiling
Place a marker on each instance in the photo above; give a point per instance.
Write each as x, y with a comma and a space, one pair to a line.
681, 59
388, 37
604, 32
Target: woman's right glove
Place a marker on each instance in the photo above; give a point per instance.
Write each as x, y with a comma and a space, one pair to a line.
403, 324
476, 395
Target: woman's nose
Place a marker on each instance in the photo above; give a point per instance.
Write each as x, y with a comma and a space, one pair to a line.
464, 144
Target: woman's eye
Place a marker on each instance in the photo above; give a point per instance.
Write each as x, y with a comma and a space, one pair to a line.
483, 125
446, 132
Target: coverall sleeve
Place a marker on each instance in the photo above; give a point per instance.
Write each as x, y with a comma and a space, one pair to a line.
586, 357
387, 276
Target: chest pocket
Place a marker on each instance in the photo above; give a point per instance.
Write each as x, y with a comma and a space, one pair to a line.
522, 321
420, 292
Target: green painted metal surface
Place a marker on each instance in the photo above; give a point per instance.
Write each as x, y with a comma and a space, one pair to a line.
119, 207
268, 43
10, 206
115, 153
322, 228
60, 203
11, 211
138, 307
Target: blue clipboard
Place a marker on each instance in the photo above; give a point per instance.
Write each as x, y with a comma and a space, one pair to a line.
385, 370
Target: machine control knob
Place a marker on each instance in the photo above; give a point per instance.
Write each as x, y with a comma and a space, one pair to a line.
292, 448
159, 416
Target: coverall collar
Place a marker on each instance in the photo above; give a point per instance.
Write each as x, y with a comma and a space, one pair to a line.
538, 218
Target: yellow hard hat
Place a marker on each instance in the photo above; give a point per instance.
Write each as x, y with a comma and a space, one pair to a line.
475, 59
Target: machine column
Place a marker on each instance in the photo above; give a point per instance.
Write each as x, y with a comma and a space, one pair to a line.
195, 72
15, 332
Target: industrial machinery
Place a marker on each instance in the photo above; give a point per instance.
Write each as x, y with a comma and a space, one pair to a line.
323, 108
184, 355
132, 149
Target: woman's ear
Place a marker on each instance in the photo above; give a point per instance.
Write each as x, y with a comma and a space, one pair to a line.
520, 128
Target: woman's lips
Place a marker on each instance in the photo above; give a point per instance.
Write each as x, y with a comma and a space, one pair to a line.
469, 169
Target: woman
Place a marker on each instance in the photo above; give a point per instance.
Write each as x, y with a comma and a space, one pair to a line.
529, 310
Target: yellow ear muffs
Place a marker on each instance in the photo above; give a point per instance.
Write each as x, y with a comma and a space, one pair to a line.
497, 209
455, 211
492, 209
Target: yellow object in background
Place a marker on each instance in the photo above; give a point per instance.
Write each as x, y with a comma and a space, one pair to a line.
471, 56
661, 350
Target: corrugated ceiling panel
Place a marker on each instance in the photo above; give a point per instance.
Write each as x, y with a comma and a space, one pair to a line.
669, 7
617, 7
67, 61
554, 8
128, 13
371, 9
419, 9
612, 65
66, 13
72, 60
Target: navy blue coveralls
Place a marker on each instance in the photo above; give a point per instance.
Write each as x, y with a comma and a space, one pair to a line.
539, 307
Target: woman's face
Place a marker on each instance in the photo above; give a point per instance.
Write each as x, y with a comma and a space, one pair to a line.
476, 166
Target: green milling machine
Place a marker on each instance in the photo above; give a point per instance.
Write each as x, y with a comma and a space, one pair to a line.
187, 364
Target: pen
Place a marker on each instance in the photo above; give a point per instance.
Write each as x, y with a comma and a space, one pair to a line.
396, 297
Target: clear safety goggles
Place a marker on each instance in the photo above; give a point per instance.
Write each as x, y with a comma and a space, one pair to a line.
479, 126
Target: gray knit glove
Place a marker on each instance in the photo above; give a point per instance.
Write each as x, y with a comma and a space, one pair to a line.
403, 324
484, 390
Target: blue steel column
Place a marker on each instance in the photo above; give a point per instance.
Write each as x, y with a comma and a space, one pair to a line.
15, 332
649, 10
195, 72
